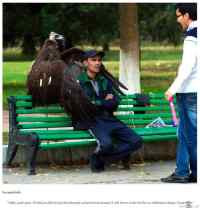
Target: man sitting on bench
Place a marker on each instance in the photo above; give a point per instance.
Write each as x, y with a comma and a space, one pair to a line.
106, 126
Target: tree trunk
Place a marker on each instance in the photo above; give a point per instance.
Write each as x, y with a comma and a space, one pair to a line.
129, 47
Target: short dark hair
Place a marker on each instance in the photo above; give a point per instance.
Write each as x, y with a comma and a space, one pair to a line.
190, 8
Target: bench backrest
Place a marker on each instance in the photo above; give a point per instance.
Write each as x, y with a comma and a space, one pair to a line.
28, 117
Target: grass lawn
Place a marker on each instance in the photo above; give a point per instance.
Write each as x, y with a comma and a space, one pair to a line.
158, 69
5, 137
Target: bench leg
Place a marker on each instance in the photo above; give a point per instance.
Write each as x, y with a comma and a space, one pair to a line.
31, 159
31, 144
11, 152
12, 149
32, 149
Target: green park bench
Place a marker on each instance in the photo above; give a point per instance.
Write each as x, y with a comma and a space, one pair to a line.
42, 128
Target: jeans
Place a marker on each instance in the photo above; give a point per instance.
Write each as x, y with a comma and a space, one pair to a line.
186, 158
126, 140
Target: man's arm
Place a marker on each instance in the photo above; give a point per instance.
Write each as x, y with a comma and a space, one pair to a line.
188, 63
111, 99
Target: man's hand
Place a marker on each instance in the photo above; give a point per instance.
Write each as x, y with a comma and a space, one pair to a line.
109, 97
168, 95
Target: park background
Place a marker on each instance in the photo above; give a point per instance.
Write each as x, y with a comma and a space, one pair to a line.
89, 25
26, 26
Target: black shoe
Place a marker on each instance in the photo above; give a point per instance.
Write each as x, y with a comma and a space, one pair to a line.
173, 178
96, 164
126, 162
192, 179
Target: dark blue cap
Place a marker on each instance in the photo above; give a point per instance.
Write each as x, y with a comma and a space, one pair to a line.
93, 53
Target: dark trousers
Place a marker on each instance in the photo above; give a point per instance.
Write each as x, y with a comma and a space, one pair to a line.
115, 140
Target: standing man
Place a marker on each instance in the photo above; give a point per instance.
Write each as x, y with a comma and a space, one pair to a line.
106, 127
185, 87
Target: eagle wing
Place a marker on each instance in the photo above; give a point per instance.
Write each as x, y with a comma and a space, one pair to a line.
45, 77
72, 54
53, 79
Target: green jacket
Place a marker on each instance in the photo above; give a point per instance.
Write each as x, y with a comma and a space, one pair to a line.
97, 97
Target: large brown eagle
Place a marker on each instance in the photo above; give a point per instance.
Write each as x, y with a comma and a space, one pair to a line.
53, 78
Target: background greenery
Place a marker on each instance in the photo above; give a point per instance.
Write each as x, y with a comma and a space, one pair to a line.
27, 25
158, 68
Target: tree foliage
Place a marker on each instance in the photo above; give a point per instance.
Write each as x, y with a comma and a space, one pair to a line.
28, 24
21, 24
83, 23
157, 22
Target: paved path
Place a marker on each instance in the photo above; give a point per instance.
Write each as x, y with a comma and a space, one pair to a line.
149, 172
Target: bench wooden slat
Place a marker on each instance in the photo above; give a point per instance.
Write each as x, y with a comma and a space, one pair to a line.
42, 118
86, 134
63, 136
144, 116
53, 131
68, 123
150, 108
23, 97
60, 110
157, 98
169, 137
152, 101
45, 146
155, 131
151, 130
40, 110
152, 95
55, 137
44, 125
64, 144
24, 104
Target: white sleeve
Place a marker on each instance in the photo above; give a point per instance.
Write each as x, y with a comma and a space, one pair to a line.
189, 60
